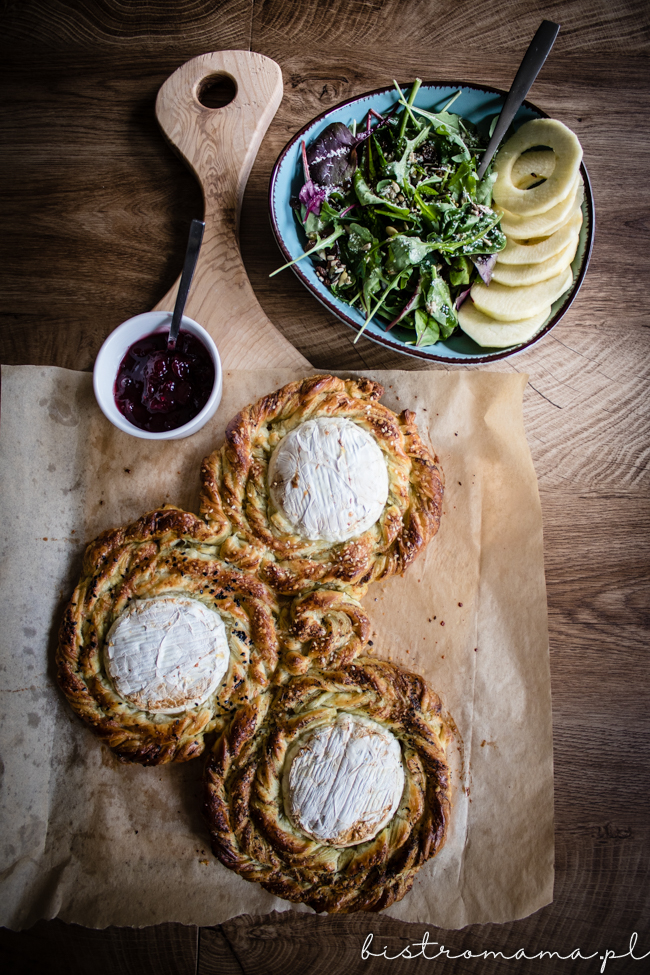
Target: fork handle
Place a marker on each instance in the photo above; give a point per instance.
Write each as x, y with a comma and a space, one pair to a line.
529, 68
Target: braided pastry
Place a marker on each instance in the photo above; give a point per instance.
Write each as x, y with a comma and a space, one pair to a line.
208, 632
325, 629
303, 791
270, 495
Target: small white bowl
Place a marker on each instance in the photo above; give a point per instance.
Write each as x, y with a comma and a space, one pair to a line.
115, 348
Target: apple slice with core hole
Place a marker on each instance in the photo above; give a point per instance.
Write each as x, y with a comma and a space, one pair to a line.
538, 199
532, 166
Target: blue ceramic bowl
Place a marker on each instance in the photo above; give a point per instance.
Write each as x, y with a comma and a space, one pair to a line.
479, 105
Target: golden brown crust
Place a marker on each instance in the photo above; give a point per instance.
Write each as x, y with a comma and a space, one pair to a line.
167, 552
324, 629
244, 807
235, 490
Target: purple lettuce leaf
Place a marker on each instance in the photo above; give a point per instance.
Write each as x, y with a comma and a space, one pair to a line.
310, 195
484, 264
461, 298
410, 304
331, 160
383, 120
332, 157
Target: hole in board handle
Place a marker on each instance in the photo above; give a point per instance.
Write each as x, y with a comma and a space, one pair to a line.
217, 91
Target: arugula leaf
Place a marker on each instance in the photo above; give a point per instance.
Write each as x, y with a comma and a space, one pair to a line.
314, 224
319, 245
366, 196
380, 153
373, 282
448, 129
413, 222
469, 229
407, 105
399, 168
370, 165
395, 282
411, 305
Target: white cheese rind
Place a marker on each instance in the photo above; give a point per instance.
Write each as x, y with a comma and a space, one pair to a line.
329, 479
343, 782
166, 654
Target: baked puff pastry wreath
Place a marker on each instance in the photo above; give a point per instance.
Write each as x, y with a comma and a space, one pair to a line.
319, 484
160, 642
334, 789
324, 629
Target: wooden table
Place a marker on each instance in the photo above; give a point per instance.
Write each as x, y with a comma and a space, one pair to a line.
96, 215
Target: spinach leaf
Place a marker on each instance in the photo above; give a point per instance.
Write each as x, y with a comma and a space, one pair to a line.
439, 305
493, 240
405, 252
484, 189
463, 181
460, 270
358, 238
399, 207
426, 328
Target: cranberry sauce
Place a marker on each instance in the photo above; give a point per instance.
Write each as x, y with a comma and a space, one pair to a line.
157, 389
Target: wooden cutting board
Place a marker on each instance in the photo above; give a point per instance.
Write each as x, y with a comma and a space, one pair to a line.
219, 145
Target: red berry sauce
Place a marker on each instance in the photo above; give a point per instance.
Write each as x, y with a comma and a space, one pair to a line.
157, 389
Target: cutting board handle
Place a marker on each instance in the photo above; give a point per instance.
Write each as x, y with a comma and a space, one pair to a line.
220, 145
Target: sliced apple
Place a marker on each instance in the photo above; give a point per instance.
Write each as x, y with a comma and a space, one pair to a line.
545, 196
532, 166
543, 224
498, 335
541, 249
516, 275
506, 304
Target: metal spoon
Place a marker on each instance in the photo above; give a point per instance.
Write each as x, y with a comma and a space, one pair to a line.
191, 257
529, 68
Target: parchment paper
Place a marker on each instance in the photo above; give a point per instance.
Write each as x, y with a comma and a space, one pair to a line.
99, 843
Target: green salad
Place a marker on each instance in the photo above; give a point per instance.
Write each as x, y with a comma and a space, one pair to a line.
398, 224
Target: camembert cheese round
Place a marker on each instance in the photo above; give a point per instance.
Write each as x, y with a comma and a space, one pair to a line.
343, 781
320, 485
329, 479
166, 654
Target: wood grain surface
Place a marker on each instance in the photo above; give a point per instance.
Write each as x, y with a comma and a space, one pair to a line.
219, 146
96, 209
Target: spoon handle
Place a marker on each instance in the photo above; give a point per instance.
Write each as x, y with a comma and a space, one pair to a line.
191, 257
529, 68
